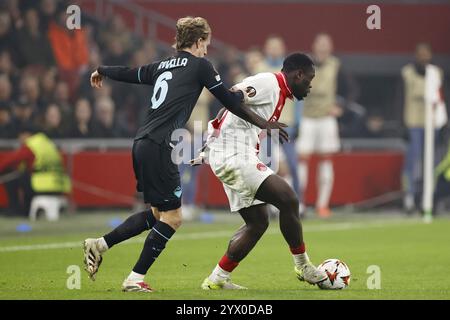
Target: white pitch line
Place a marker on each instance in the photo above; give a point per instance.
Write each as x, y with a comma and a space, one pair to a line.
218, 234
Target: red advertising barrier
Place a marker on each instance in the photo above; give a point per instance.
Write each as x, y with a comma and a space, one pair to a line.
106, 179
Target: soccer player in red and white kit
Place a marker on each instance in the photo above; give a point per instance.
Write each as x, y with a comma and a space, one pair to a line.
231, 150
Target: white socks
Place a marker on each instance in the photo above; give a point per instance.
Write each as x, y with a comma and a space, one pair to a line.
300, 259
325, 183
219, 274
325, 179
102, 246
133, 276
303, 175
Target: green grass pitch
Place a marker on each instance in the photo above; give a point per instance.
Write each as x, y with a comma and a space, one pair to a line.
413, 257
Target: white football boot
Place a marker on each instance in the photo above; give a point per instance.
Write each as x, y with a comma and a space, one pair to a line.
226, 284
135, 286
309, 273
92, 257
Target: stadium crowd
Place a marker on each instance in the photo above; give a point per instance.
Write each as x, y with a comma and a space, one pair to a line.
45, 69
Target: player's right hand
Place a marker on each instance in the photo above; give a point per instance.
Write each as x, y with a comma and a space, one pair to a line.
96, 79
275, 125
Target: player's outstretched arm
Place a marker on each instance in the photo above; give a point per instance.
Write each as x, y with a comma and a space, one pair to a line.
232, 100
119, 73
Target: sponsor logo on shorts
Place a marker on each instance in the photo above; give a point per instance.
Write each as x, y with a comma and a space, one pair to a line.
261, 167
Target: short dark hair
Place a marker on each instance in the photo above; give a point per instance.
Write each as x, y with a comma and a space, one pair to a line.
296, 61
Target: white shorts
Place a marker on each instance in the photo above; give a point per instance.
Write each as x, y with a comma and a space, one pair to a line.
318, 135
241, 175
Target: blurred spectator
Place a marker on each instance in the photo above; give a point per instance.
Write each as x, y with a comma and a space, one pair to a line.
236, 73
254, 61
116, 54
33, 45
7, 129
5, 88
22, 113
43, 174
30, 90
62, 99
47, 10
95, 60
7, 41
117, 38
412, 92
150, 51
52, 125
229, 57
274, 51
107, 126
134, 100
12, 6
69, 49
48, 85
104, 92
82, 124
7, 66
319, 130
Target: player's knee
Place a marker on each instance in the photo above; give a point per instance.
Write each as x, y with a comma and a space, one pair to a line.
175, 222
263, 225
173, 218
258, 228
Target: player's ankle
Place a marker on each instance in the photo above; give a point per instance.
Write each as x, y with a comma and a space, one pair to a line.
301, 259
219, 275
102, 245
134, 276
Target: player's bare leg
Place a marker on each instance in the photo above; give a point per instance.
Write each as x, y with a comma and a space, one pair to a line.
276, 191
154, 244
243, 241
94, 248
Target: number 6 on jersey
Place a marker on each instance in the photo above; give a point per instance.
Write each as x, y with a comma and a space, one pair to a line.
161, 85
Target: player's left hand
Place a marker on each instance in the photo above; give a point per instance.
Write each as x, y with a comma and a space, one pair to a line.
244, 93
96, 79
275, 125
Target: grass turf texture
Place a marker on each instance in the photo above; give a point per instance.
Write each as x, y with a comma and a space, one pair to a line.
413, 257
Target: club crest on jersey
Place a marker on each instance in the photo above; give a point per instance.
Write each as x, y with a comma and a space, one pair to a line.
218, 78
177, 192
261, 167
251, 92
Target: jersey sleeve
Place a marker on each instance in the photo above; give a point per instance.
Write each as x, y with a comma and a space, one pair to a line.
261, 89
208, 76
146, 73
143, 74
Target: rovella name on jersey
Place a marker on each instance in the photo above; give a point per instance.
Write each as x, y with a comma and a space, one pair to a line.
173, 63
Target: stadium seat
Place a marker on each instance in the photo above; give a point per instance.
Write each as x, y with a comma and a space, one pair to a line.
51, 205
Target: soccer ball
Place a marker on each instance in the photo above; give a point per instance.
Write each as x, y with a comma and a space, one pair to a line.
338, 274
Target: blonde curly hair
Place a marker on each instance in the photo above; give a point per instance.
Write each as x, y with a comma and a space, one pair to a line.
189, 30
